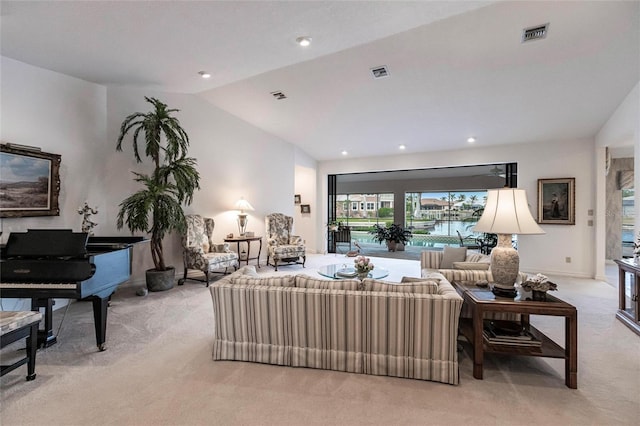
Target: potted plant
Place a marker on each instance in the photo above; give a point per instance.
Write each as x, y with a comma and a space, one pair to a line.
398, 235
157, 207
392, 235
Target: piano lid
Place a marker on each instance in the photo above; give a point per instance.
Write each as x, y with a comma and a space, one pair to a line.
51, 243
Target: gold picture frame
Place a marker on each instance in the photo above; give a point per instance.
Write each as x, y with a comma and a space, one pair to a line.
557, 201
30, 183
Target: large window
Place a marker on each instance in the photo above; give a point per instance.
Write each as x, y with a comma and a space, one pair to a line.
444, 213
363, 212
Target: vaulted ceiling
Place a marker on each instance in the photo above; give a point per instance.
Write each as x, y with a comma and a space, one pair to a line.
456, 69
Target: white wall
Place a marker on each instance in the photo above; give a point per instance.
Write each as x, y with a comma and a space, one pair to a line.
235, 160
557, 159
61, 115
81, 122
305, 185
621, 130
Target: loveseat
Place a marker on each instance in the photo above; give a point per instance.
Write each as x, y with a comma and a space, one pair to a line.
404, 329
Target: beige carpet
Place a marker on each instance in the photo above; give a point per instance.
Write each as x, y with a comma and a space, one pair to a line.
158, 370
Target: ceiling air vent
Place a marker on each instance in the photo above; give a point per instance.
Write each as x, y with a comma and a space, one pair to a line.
380, 72
535, 33
278, 95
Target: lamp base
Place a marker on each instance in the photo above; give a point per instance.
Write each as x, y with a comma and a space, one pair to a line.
504, 292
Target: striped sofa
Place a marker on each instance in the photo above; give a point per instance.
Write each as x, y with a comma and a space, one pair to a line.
370, 328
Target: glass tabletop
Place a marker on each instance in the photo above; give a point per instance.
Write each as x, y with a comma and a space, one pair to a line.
346, 271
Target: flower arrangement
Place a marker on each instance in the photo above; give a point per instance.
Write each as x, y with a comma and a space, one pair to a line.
538, 283
333, 225
363, 264
636, 246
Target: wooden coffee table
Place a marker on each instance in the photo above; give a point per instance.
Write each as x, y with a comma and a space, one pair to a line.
482, 300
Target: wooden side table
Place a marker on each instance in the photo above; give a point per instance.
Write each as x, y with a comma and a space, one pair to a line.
483, 300
247, 240
629, 294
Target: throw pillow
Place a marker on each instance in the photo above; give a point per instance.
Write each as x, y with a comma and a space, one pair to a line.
433, 276
305, 281
478, 257
452, 254
277, 281
471, 266
220, 248
418, 287
248, 271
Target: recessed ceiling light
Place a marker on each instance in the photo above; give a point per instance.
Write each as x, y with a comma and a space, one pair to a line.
402, 147
344, 153
303, 41
471, 139
204, 74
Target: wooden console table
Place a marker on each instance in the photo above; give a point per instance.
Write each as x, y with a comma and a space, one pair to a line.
247, 240
628, 301
482, 300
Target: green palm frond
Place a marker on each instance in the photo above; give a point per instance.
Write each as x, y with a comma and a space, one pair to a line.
157, 208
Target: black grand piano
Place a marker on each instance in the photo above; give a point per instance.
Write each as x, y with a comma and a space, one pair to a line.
43, 264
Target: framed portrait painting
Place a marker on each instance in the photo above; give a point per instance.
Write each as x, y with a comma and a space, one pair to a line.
556, 201
30, 182
305, 208
297, 199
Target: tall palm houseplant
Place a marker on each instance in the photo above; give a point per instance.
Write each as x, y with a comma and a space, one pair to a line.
157, 207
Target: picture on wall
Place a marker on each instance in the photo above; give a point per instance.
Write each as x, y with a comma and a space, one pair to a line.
30, 182
556, 201
305, 208
297, 199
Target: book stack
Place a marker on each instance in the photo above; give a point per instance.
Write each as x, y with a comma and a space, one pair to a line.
511, 334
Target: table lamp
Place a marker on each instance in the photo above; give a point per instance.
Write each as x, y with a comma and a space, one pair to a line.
243, 205
506, 213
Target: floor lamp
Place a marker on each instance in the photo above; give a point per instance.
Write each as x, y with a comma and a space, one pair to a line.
506, 213
243, 205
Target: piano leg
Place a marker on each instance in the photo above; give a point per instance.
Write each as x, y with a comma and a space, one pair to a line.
45, 336
100, 320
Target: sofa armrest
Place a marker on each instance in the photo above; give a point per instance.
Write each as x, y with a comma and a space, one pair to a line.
431, 259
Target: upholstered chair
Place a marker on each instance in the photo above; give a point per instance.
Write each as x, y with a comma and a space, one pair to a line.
201, 253
282, 247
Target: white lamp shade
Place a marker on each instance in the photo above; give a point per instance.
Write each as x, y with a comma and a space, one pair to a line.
243, 205
507, 212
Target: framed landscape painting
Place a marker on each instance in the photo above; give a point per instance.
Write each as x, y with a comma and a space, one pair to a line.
556, 201
30, 182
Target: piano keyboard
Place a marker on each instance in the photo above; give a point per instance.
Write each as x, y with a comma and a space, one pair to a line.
50, 286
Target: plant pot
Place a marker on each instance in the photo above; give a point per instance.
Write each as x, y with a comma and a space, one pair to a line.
539, 296
391, 245
161, 280
399, 247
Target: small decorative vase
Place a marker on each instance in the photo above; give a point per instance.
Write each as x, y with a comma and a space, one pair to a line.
363, 275
539, 296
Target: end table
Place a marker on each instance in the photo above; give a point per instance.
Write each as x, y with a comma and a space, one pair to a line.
483, 300
248, 240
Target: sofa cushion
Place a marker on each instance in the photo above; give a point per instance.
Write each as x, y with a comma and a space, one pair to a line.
472, 265
478, 257
452, 254
278, 281
305, 281
416, 287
